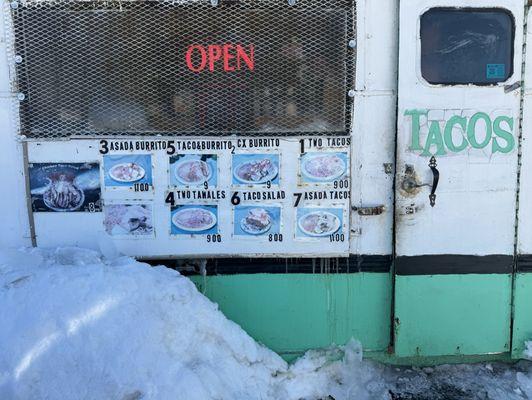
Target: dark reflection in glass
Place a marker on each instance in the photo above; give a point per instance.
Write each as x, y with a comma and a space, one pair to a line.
154, 68
466, 45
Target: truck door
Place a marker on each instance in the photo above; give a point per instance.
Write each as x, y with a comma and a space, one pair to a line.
456, 175
522, 306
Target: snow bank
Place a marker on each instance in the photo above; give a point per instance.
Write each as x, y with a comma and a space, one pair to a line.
75, 326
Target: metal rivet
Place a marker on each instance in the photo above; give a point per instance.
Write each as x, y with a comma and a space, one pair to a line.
291, 2
351, 93
18, 59
21, 96
14, 5
352, 43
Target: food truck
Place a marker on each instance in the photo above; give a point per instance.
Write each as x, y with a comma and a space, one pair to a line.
322, 169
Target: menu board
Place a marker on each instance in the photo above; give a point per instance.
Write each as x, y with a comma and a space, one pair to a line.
253, 196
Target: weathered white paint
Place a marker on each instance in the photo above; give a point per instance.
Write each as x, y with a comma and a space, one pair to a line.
373, 134
373, 147
86, 229
524, 238
475, 206
14, 216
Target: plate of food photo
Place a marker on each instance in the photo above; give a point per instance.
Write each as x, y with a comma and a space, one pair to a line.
256, 222
192, 172
194, 219
319, 223
323, 167
256, 171
127, 172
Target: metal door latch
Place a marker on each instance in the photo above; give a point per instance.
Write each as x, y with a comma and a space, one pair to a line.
410, 183
369, 211
512, 87
411, 209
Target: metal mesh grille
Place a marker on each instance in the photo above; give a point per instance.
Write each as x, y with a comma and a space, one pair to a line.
253, 67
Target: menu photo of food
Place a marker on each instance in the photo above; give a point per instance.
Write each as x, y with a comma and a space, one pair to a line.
323, 167
255, 221
193, 220
126, 170
255, 169
193, 170
316, 222
65, 187
128, 220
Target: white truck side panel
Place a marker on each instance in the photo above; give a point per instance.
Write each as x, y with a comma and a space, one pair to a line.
524, 241
373, 144
14, 218
475, 207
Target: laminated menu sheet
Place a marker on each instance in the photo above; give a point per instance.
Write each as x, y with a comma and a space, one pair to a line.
190, 197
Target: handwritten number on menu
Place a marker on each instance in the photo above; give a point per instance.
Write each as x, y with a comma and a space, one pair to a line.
104, 147
171, 148
170, 199
235, 199
298, 198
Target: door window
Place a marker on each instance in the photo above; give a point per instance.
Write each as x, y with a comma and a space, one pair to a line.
467, 45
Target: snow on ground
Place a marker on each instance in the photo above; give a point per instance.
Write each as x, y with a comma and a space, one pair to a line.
74, 325
528, 350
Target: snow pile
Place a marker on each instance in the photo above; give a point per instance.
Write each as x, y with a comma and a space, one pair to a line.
75, 326
338, 372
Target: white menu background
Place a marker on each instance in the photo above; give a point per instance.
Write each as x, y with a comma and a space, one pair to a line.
87, 228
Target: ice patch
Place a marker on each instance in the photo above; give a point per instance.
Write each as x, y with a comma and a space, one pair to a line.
528, 350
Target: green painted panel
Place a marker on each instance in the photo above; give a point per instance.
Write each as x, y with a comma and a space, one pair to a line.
429, 361
291, 313
522, 326
452, 314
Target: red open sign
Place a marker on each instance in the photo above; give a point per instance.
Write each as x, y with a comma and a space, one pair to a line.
230, 57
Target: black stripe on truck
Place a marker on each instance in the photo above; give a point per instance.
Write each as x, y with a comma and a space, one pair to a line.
232, 266
443, 264
524, 263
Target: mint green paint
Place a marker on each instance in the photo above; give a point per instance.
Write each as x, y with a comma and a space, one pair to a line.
522, 326
506, 135
425, 361
387, 358
291, 313
416, 127
471, 129
439, 315
434, 139
502, 140
448, 133
442, 318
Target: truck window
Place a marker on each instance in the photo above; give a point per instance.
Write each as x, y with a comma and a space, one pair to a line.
466, 45
179, 67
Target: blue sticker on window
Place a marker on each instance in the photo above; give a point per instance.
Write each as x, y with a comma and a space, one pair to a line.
495, 71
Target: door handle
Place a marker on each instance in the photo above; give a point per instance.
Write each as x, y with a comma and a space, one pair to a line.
435, 180
410, 183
